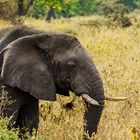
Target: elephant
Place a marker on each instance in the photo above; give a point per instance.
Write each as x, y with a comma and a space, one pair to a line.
38, 65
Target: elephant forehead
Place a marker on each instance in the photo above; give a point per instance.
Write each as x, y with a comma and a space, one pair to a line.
79, 53
71, 53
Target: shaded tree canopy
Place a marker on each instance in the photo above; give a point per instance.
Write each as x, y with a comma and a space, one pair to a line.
65, 8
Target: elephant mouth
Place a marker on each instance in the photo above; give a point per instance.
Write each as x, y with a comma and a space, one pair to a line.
85, 95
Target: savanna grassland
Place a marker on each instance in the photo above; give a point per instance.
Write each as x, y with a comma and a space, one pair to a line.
116, 54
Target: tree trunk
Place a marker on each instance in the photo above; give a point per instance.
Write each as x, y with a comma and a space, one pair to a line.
50, 14
30, 3
20, 7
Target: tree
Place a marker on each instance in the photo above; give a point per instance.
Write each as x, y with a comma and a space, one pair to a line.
24, 6
20, 7
50, 14
52, 5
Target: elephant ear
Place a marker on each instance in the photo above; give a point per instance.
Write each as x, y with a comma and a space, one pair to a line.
25, 67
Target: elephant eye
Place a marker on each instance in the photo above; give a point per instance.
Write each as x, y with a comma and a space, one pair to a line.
71, 64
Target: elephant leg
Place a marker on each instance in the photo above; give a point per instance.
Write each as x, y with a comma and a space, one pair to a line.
10, 104
11, 111
28, 116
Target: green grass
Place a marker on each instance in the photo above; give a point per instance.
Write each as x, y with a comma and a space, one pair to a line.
116, 54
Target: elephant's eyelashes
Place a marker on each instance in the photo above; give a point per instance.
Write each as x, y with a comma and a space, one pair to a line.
70, 66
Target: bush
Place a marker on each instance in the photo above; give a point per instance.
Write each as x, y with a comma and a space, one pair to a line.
8, 9
115, 12
6, 134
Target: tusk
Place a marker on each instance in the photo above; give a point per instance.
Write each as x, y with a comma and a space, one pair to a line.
89, 99
109, 98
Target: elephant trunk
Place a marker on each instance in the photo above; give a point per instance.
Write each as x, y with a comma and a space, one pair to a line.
95, 104
92, 117
93, 112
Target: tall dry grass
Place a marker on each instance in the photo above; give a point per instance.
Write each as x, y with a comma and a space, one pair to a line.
116, 54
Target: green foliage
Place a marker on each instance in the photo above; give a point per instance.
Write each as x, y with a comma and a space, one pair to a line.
39, 8
69, 8
130, 4
6, 134
66, 8
80, 7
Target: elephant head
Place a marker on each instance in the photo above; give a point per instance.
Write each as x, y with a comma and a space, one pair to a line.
49, 63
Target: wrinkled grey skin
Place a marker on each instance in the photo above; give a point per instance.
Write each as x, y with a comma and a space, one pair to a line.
37, 65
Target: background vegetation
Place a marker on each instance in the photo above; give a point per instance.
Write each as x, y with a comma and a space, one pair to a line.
62, 8
116, 53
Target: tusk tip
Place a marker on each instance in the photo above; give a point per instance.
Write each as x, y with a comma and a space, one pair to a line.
109, 98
